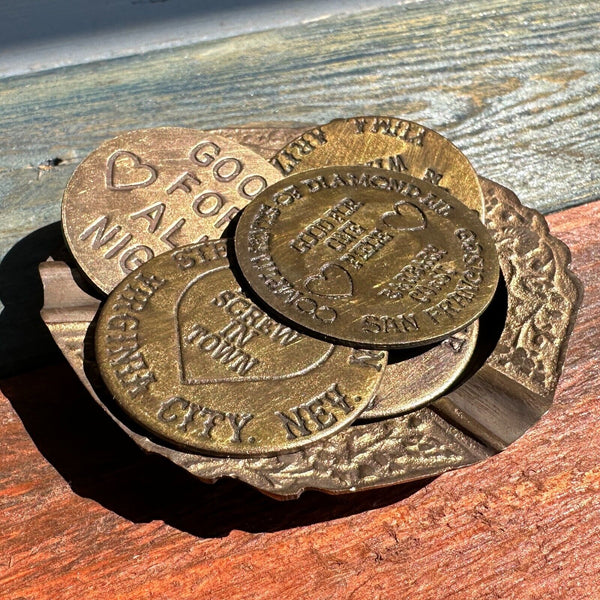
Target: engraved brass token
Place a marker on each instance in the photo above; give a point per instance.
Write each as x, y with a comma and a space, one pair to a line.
388, 143
413, 382
148, 191
367, 257
187, 355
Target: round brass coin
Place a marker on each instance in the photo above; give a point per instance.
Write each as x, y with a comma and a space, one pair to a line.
148, 191
413, 382
193, 360
367, 257
388, 143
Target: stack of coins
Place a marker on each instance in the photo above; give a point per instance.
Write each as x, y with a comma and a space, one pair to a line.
259, 307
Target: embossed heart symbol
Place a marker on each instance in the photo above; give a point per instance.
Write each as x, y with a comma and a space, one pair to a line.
406, 217
332, 281
128, 172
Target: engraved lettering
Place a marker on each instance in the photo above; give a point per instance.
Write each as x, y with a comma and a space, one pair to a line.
119, 246
188, 257
339, 400
184, 414
250, 316
183, 183
208, 204
274, 280
348, 233
286, 196
299, 419
433, 176
125, 348
321, 228
251, 186
122, 322
238, 421
209, 151
237, 333
221, 350
188, 417
135, 257
319, 416
135, 376
367, 247
316, 184
134, 296
455, 344
469, 280
415, 272
211, 418
101, 237
165, 412
359, 124
171, 231
391, 163
153, 214
286, 160
227, 169
124, 355
294, 425
403, 130
367, 358
402, 323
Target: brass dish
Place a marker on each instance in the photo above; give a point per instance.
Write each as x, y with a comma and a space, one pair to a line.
495, 404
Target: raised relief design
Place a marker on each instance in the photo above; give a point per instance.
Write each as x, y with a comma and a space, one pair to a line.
126, 171
405, 448
224, 340
332, 281
405, 217
542, 292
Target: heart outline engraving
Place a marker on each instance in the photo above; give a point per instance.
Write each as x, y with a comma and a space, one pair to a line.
188, 375
137, 164
414, 212
317, 284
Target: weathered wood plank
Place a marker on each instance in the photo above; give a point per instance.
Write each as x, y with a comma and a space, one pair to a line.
515, 85
86, 515
45, 34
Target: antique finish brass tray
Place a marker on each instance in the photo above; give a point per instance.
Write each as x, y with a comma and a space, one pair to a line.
506, 388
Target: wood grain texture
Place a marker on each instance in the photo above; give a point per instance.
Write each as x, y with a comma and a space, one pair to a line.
45, 34
515, 85
86, 515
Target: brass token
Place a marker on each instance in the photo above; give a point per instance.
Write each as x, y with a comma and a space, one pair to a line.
367, 257
388, 143
190, 357
410, 383
148, 191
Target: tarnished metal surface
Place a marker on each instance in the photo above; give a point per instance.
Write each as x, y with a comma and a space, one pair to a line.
367, 256
517, 383
151, 190
410, 382
189, 356
388, 143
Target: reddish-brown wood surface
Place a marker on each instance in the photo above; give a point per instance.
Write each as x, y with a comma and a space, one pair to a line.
85, 514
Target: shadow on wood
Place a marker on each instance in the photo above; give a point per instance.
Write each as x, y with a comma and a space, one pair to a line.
25, 342
101, 463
